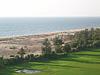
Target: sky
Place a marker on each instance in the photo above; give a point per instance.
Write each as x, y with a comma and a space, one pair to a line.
49, 8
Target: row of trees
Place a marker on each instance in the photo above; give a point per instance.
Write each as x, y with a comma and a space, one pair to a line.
56, 46
87, 38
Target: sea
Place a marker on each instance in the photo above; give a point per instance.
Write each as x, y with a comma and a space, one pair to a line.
19, 26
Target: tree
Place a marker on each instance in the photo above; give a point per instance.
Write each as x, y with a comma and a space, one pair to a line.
58, 48
97, 44
87, 38
81, 38
97, 34
21, 52
46, 49
67, 48
1, 62
58, 41
58, 44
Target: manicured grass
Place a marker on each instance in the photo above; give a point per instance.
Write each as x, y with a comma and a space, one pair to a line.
79, 63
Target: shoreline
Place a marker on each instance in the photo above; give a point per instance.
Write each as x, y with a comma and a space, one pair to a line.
46, 33
43, 33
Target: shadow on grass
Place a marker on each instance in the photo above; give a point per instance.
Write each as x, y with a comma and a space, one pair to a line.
88, 55
64, 66
6, 71
82, 61
48, 62
92, 49
73, 58
11, 69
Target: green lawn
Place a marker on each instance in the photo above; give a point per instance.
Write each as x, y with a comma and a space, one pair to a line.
79, 63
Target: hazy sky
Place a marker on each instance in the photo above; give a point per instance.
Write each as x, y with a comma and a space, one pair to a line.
49, 8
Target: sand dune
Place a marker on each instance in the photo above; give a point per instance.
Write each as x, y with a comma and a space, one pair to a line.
31, 43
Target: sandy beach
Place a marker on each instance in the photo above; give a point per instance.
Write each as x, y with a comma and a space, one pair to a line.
31, 43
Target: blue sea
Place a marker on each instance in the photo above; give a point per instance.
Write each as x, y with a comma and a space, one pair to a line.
33, 26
